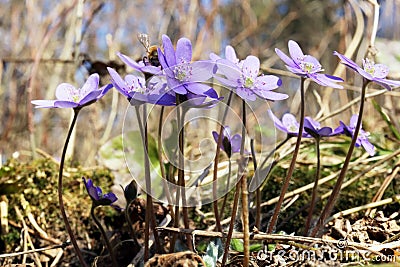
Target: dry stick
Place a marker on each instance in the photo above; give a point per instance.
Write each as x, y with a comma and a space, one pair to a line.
103, 233
285, 186
60, 187
15, 254
379, 194
34, 72
274, 237
387, 201
336, 190
315, 188
26, 238
351, 48
216, 160
245, 194
362, 174
351, 103
374, 25
258, 192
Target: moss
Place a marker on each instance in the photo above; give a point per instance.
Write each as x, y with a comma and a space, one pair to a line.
37, 181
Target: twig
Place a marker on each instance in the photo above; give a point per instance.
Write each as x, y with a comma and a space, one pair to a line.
4, 215
396, 198
270, 237
362, 174
355, 41
374, 27
57, 258
351, 103
15, 254
50, 239
35, 70
27, 236
379, 194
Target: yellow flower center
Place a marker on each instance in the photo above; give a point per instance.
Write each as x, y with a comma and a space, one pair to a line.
307, 67
183, 71
248, 82
369, 66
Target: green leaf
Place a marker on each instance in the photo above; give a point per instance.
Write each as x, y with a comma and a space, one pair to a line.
124, 155
237, 244
256, 247
386, 118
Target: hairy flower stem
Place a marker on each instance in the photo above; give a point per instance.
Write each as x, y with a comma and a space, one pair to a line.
103, 233
216, 160
336, 190
181, 170
227, 187
60, 189
245, 212
286, 182
315, 188
128, 219
149, 215
231, 224
162, 167
245, 194
258, 192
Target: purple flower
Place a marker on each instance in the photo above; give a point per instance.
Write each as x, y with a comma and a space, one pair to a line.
288, 124
70, 97
97, 196
230, 55
314, 128
362, 138
373, 72
139, 66
306, 66
243, 77
134, 88
184, 76
230, 144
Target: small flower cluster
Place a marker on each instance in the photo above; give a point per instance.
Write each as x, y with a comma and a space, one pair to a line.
178, 79
313, 129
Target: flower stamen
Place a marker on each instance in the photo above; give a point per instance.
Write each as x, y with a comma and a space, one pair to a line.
183, 71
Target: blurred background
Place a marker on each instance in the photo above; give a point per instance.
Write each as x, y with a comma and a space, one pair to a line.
44, 43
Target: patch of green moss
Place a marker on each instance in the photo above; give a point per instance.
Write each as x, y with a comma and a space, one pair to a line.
37, 192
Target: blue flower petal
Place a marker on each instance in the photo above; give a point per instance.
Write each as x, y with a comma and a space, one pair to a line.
183, 50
